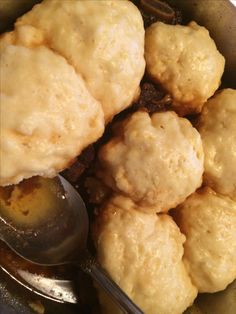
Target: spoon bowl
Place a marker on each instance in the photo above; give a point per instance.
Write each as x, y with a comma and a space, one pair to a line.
45, 221
53, 237
53, 283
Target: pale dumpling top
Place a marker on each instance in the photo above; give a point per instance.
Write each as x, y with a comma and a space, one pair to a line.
155, 160
185, 61
217, 127
103, 40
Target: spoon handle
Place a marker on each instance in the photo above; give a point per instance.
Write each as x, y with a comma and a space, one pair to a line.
91, 267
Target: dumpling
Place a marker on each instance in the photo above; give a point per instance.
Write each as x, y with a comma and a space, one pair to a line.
185, 61
217, 127
102, 40
155, 160
208, 221
47, 114
143, 254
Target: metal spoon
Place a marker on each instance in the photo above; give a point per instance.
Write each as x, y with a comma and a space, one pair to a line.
46, 222
55, 283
